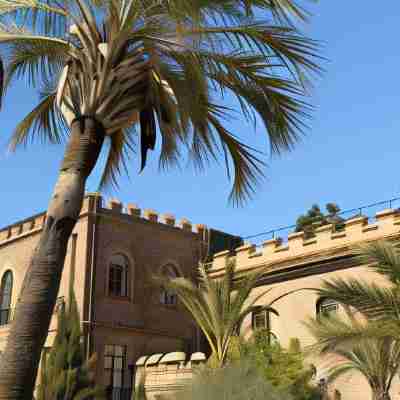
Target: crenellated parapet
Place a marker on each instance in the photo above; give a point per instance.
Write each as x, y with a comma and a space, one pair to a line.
385, 224
94, 203
133, 210
167, 372
24, 227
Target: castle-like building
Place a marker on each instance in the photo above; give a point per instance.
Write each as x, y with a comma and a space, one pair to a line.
114, 251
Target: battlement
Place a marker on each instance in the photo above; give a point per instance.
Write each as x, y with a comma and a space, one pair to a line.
166, 372
93, 203
132, 210
359, 229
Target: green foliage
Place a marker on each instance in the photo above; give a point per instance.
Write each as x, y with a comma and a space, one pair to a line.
218, 306
351, 341
65, 374
283, 368
379, 304
367, 341
164, 69
236, 381
314, 218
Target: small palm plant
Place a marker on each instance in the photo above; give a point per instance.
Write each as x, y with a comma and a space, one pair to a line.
377, 359
379, 304
366, 337
218, 305
165, 68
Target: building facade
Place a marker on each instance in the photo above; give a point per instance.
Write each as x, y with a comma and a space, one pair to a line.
114, 251
112, 255
298, 264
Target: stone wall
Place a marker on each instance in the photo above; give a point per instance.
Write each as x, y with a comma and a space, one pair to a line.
279, 252
164, 374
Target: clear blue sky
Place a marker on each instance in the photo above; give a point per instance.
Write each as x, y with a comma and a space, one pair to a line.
350, 155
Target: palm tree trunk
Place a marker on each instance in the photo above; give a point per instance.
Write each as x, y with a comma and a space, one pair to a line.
380, 395
28, 332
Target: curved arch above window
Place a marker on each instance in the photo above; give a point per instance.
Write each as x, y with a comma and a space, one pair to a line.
118, 276
326, 307
167, 297
6, 287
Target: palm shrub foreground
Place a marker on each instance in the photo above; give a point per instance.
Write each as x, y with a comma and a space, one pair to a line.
376, 303
104, 70
218, 305
65, 372
285, 369
377, 359
366, 337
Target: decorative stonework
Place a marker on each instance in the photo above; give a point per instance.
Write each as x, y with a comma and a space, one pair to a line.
94, 202
166, 373
356, 230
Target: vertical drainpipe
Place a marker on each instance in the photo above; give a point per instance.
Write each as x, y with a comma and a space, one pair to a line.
93, 216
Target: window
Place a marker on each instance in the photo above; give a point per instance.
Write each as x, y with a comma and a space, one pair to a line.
118, 276
326, 307
115, 364
167, 297
261, 319
5, 297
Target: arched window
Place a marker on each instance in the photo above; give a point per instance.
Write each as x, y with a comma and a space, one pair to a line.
167, 297
5, 297
118, 276
326, 307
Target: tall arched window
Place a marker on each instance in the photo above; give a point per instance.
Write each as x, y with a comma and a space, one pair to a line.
5, 297
326, 307
118, 276
167, 297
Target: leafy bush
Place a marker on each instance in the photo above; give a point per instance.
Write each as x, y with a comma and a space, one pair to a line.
236, 381
283, 368
65, 374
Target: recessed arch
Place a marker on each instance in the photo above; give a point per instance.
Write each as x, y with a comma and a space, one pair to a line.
119, 276
6, 289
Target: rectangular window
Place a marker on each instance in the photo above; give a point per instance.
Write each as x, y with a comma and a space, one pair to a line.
168, 298
114, 365
261, 320
118, 280
328, 307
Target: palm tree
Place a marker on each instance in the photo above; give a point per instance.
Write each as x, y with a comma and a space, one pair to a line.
218, 305
104, 68
376, 358
379, 304
368, 339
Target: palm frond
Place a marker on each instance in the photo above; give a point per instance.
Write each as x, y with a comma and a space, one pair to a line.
247, 167
357, 346
333, 331
368, 298
43, 122
217, 305
384, 257
121, 147
295, 51
38, 60
42, 15
171, 63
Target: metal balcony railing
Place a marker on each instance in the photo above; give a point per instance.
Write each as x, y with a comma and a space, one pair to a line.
368, 210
